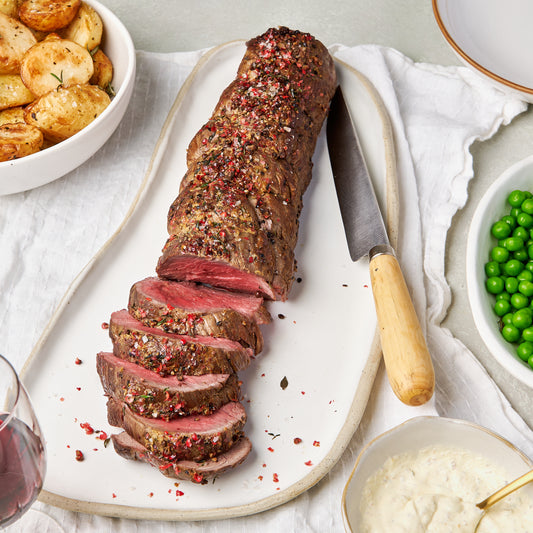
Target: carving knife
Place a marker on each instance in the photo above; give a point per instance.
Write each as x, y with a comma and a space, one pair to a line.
407, 360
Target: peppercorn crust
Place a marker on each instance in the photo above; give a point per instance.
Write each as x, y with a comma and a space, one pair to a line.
148, 394
196, 438
252, 161
175, 355
150, 303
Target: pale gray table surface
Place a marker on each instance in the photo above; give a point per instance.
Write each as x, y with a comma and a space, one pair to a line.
408, 26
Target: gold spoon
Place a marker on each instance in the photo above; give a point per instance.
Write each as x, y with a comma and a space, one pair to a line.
501, 493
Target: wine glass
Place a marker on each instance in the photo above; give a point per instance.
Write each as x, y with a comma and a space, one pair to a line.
22, 453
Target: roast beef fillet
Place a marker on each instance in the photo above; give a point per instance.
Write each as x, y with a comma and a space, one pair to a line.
129, 448
171, 354
148, 394
195, 438
235, 222
192, 309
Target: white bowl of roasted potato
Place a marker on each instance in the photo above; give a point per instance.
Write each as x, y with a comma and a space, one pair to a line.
67, 69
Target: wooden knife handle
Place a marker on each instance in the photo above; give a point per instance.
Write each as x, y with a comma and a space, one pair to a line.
407, 360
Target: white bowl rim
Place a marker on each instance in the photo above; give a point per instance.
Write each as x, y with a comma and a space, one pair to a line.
476, 290
121, 93
469, 60
421, 420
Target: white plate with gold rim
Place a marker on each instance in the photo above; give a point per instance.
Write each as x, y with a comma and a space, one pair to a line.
325, 347
492, 37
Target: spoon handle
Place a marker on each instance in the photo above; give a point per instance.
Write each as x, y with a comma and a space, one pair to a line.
504, 491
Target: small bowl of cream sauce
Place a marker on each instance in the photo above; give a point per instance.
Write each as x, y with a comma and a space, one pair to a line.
427, 475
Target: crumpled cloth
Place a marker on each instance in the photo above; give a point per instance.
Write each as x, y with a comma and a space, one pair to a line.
49, 234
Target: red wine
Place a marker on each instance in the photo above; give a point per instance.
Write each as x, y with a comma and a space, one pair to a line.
21, 469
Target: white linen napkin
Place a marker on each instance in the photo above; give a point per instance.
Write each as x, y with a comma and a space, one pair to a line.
47, 235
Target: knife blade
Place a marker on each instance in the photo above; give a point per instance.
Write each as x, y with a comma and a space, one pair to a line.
405, 353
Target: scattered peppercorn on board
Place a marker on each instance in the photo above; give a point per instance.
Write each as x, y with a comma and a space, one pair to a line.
318, 363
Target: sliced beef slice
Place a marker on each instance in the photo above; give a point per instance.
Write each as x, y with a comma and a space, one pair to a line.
148, 394
193, 309
195, 438
221, 230
171, 354
200, 472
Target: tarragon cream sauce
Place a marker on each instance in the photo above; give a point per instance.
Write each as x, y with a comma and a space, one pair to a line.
436, 491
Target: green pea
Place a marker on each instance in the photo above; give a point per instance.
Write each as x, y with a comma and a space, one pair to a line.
525, 350
492, 269
530, 361
502, 307
515, 211
511, 285
494, 285
521, 255
503, 296
510, 333
525, 220
513, 267
526, 288
527, 206
499, 254
525, 275
516, 198
508, 319
522, 233
518, 300
514, 243
529, 266
527, 334
523, 318
508, 219
501, 229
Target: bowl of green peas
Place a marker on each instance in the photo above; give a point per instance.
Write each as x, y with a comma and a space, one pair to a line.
499, 269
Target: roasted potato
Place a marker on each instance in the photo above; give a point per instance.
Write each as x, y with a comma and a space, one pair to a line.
13, 92
9, 8
48, 15
13, 115
55, 62
19, 140
103, 71
15, 39
86, 29
61, 113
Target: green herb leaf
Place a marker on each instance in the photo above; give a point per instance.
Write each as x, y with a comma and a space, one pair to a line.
59, 79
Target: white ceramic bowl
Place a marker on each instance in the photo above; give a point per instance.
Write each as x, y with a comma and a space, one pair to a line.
492, 37
54, 162
492, 207
421, 432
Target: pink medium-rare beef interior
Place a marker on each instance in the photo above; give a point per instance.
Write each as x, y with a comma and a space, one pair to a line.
151, 395
152, 379
226, 416
200, 298
230, 415
127, 447
126, 321
182, 267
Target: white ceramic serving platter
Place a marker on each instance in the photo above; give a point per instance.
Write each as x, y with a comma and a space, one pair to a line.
325, 346
492, 37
